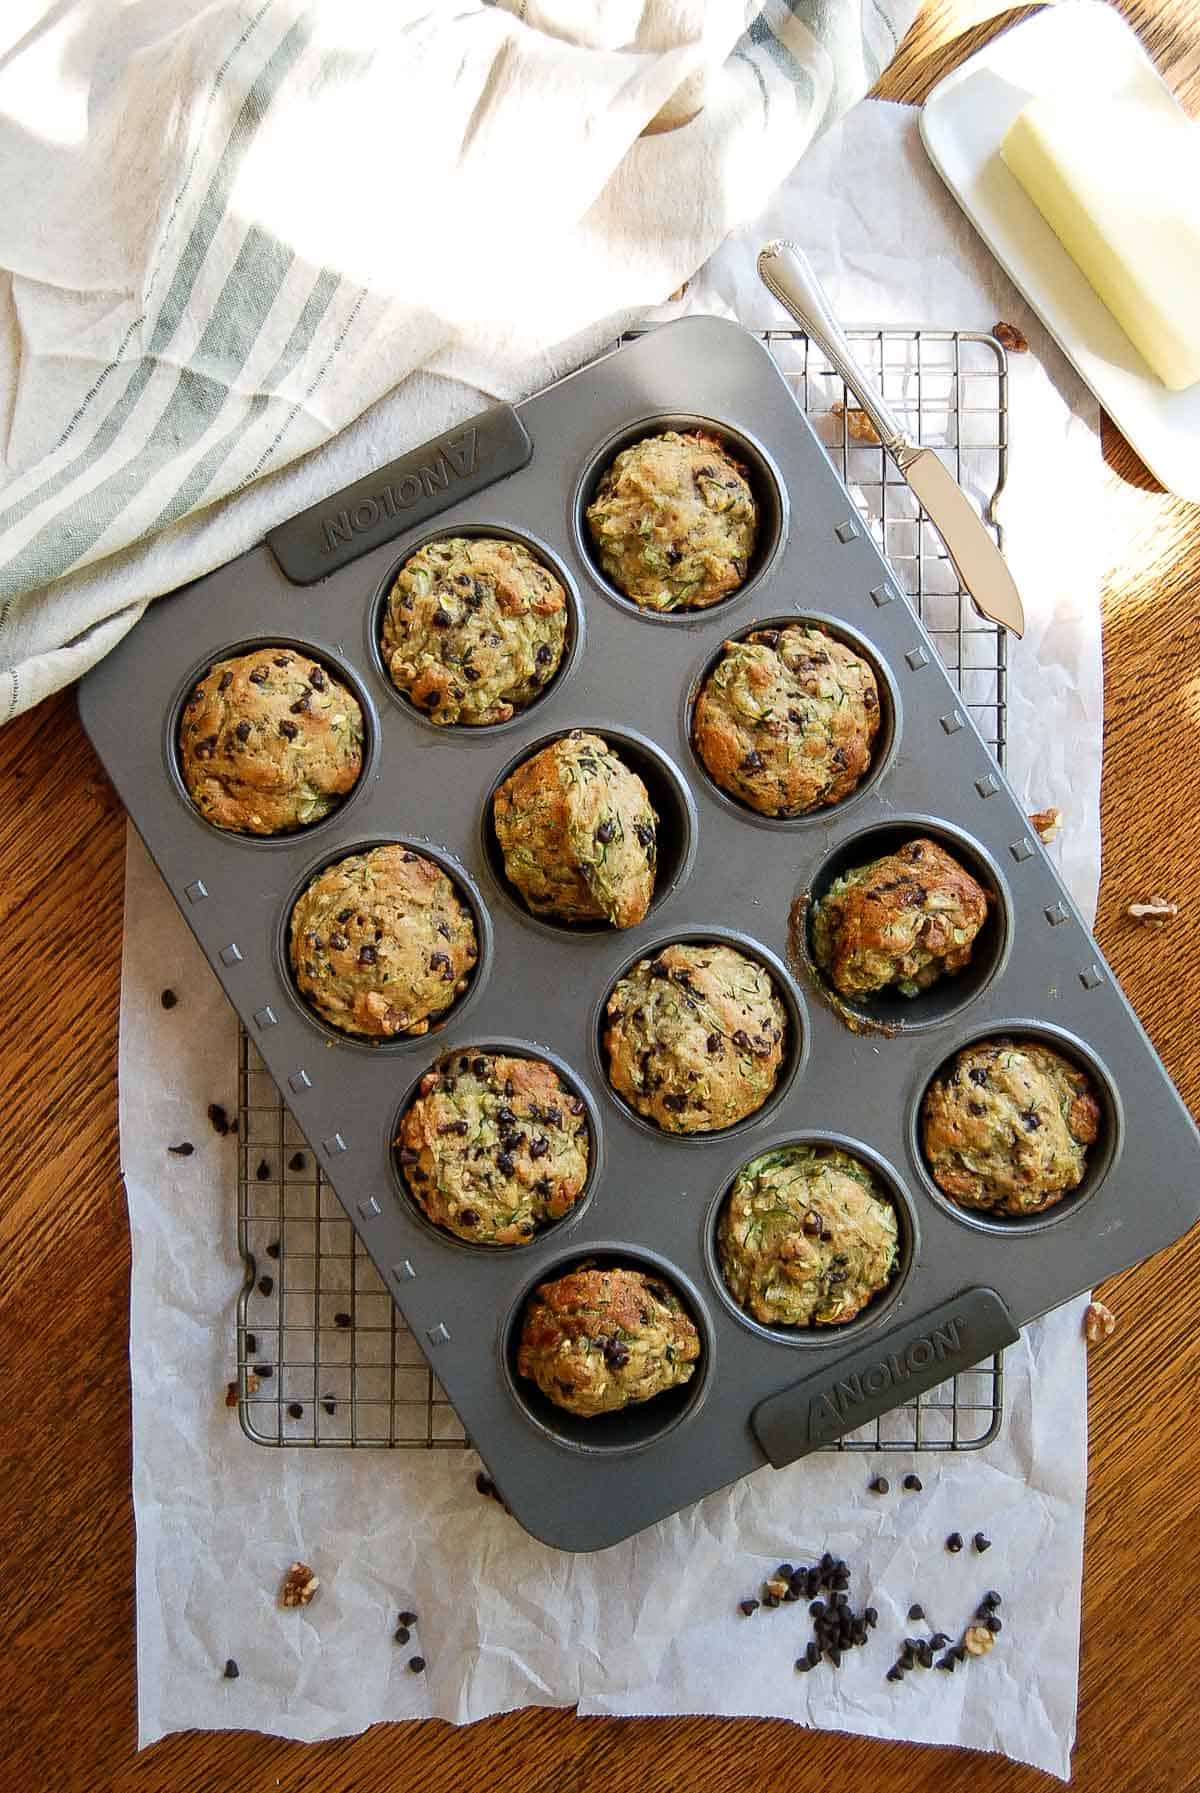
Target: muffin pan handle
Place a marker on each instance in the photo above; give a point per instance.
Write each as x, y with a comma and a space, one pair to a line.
859, 1387
410, 490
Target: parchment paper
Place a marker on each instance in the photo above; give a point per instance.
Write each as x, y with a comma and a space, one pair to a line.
650, 1626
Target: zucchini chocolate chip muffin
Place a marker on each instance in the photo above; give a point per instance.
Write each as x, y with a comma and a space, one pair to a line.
674, 521
695, 1037
786, 719
381, 943
1007, 1127
595, 1341
807, 1237
494, 1147
577, 832
269, 742
473, 628
902, 922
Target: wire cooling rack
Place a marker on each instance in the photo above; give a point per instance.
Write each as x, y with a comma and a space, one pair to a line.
324, 1356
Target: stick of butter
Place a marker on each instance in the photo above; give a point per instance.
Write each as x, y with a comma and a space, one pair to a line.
1117, 179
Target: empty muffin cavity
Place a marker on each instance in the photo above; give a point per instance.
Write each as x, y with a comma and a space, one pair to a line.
903, 925
714, 538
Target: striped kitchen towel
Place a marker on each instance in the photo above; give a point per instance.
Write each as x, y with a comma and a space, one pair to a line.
250, 249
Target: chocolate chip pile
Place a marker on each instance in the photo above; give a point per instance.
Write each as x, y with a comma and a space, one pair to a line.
977, 1639
836, 1626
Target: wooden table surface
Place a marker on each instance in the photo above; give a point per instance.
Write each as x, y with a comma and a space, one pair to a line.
66, 1518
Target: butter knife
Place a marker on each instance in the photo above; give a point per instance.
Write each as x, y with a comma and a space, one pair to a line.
787, 272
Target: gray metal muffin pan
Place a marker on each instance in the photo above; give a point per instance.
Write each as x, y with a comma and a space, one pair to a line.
965, 1283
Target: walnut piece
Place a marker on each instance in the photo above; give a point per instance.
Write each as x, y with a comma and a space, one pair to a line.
777, 1587
1156, 912
978, 1640
1048, 823
299, 1586
679, 292
1010, 338
231, 1391
1099, 1322
858, 425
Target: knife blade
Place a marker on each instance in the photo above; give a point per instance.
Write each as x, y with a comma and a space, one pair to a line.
787, 273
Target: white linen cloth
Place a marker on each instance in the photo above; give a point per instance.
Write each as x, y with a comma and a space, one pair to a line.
227, 230
651, 1625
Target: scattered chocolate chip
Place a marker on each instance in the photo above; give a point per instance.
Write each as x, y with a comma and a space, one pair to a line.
406, 1618
402, 1634
879, 1484
184, 1149
753, 762
273, 1249
992, 1598
954, 1542
232, 1671
895, 1673
288, 730
749, 1607
871, 1617
938, 1641
251, 1344
168, 999
367, 955
242, 731
297, 1161
266, 1284
417, 1665
260, 675
916, 1611
263, 1173
505, 1164
924, 1655
947, 1663
295, 1411
219, 1119
993, 1623
264, 1371
441, 619
342, 1320
468, 1217
329, 1404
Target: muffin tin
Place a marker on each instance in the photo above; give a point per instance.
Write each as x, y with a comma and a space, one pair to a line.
965, 1283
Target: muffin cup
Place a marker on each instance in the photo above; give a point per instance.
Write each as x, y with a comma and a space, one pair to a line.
309, 650
510, 1049
641, 1424
669, 796
467, 893
880, 1306
766, 483
795, 1044
889, 1013
884, 748
572, 648
1101, 1157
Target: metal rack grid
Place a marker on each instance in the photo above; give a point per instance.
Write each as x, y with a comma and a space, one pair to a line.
341, 1367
